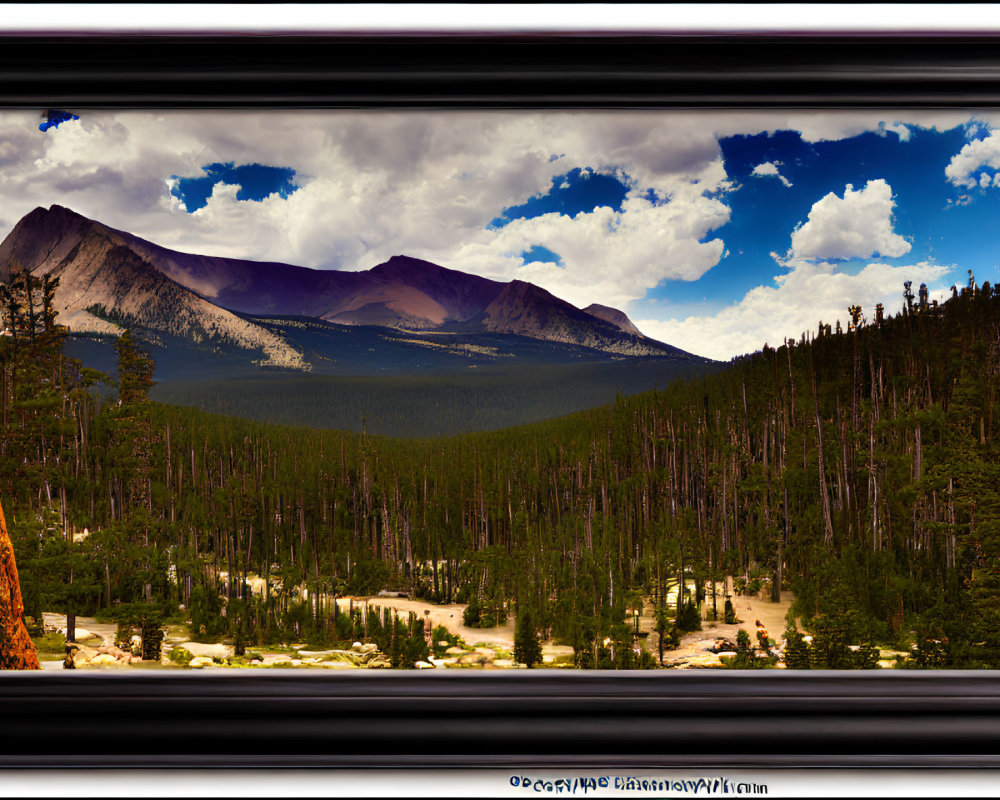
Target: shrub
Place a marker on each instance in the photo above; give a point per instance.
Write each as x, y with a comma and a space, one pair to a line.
671, 637
344, 627
490, 613
689, 618
441, 634
180, 655
152, 633
470, 617
50, 643
930, 654
207, 622
796, 650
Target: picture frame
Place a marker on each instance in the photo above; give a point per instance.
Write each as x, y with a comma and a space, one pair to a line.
530, 719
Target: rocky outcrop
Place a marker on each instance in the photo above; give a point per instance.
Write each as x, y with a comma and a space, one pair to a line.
617, 318
528, 310
105, 285
16, 648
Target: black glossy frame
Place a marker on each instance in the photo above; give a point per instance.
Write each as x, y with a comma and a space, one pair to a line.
543, 718
524, 719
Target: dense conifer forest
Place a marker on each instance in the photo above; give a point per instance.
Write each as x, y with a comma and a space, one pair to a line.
859, 468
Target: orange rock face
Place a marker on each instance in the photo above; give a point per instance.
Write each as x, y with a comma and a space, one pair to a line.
16, 648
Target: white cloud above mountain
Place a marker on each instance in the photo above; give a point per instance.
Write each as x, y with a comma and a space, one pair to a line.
812, 290
427, 184
857, 225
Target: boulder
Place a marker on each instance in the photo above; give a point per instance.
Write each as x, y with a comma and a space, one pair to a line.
357, 646
208, 651
103, 659
455, 651
115, 652
423, 665
83, 635
199, 662
82, 655
369, 648
473, 658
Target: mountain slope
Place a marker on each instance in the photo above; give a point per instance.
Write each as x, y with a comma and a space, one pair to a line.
528, 310
617, 318
103, 282
403, 293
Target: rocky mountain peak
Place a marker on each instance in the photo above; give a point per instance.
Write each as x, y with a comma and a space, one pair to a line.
616, 317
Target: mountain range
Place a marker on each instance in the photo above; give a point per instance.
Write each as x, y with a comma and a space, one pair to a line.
283, 316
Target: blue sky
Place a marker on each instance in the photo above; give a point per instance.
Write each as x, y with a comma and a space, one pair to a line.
714, 231
254, 182
765, 210
54, 117
942, 222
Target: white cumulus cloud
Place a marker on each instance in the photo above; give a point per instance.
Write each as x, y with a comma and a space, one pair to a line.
428, 183
857, 225
770, 169
967, 168
377, 184
800, 299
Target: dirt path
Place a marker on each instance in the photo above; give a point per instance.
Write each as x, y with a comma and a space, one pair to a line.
693, 650
103, 630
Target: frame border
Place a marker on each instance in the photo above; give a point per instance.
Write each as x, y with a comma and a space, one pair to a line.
521, 70
541, 718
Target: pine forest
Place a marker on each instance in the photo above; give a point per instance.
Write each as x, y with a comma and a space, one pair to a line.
857, 469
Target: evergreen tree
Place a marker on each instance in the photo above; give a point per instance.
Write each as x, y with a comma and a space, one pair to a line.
796, 650
527, 648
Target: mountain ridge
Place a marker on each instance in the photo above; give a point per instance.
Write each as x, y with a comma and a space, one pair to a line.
207, 298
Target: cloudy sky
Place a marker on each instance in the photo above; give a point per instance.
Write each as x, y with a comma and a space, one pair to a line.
715, 232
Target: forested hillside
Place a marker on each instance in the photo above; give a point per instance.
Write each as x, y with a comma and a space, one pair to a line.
861, 469
429, 403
